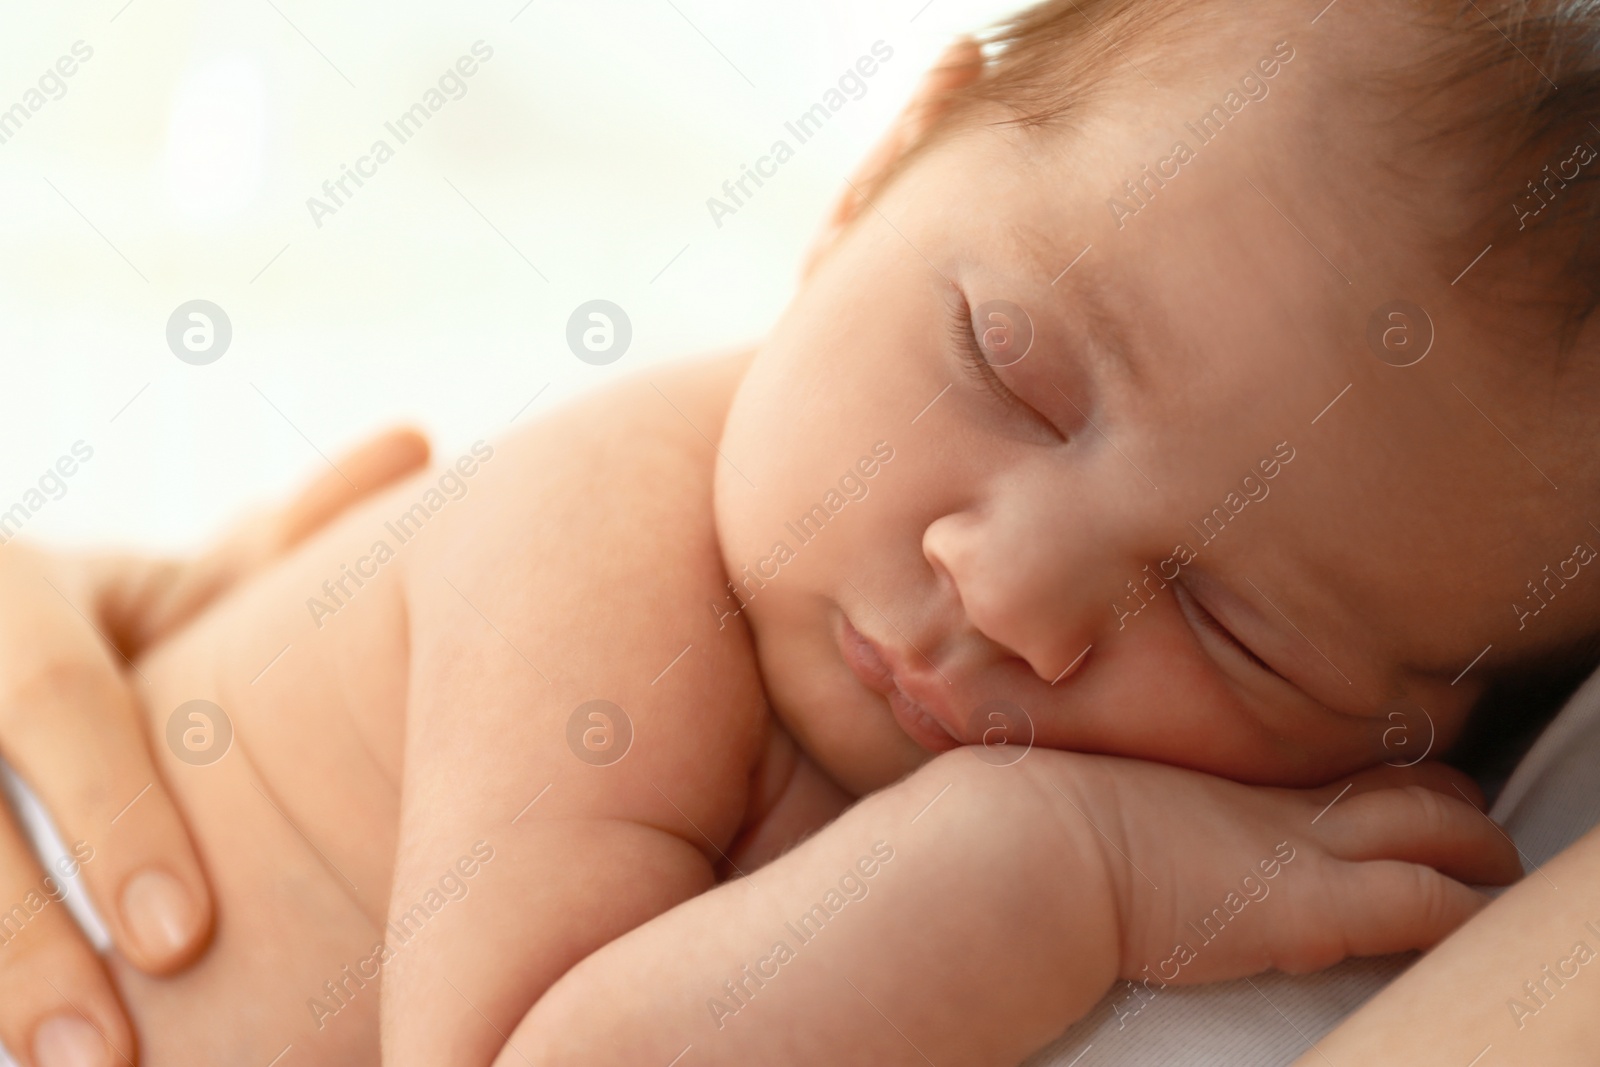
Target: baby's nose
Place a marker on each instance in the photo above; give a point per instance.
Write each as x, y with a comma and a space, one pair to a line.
1027, 606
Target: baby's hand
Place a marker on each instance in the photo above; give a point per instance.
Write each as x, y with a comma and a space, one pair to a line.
1216, 880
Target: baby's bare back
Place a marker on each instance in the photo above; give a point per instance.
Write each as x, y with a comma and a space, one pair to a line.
311, 668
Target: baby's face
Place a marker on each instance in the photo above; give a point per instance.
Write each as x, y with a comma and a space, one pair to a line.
1194, 519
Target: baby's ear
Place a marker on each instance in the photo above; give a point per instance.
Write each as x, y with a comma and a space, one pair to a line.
960, 65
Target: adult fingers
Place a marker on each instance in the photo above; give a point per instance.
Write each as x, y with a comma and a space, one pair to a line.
71, 730
142, 599
70, 725
57, 1006
373, 465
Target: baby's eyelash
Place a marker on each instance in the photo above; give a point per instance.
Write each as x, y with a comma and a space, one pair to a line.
1210, 622
972, 357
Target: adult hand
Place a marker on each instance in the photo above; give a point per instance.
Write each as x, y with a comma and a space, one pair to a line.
71, 627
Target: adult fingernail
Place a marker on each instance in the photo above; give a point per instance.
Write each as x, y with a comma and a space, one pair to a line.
159, 912
68, 1041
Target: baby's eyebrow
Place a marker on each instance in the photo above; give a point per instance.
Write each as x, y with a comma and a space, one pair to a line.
1044, 259
1081, 292
1109, 334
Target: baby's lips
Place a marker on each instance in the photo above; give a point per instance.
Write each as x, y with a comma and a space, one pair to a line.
863, 658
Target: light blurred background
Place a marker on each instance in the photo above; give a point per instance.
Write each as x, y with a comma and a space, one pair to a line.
178, 163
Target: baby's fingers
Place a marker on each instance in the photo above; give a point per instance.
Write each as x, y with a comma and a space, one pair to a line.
1440, 777
1419, 825
1390, 906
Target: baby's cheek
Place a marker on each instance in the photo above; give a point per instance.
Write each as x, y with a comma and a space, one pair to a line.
1150, 693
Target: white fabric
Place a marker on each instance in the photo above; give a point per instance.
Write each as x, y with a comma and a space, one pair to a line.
1550, 801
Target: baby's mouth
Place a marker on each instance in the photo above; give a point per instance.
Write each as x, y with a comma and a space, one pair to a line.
872, 668
920, 725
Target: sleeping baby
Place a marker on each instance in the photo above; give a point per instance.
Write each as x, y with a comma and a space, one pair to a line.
1036, 606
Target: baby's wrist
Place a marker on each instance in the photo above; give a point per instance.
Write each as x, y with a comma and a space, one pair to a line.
1050, 813
1053, 902
1086, 869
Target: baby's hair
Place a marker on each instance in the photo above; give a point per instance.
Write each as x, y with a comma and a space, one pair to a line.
1510, 85
1044, 65
1520, 80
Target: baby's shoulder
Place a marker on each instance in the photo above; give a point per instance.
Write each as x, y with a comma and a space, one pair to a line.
580, 569
639, 451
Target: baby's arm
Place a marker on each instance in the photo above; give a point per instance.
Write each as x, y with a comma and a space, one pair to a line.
1000, 903
580, 567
